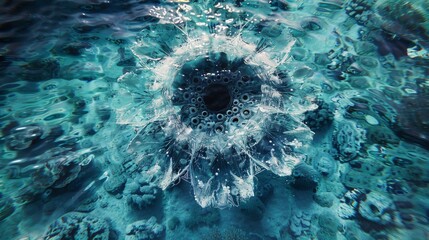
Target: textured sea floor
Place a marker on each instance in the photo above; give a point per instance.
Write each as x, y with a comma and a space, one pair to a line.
280, 119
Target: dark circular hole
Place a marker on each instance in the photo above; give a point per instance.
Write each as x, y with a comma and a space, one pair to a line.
205, 113
195, 80
216, 97
226, 79
245, 113
235, 120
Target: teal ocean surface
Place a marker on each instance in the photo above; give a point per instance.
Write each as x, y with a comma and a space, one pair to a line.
214, 120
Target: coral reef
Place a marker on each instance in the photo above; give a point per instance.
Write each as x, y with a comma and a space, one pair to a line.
144, 230
360, 10
328, 226
349, 204
141, 191
348, 140
299, 224
78, 226
324, 164
324, 199
115, 184
377, 208
320, 117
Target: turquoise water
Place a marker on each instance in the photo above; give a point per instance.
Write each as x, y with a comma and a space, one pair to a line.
258, 120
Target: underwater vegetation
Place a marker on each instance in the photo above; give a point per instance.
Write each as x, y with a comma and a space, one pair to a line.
280, 119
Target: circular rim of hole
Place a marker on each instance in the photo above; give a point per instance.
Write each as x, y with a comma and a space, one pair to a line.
235, 120
220, 116
195, 121
219, 128
246, 113
244, 97
192, 110
186, 95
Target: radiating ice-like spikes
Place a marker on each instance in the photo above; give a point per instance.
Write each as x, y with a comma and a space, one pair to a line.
216, 109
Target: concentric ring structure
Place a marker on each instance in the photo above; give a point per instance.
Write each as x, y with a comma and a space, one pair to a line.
217, 108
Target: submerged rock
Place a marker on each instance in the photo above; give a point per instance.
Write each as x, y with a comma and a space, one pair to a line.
324, 164
299, 224
348, 140
328, 224
324, 199
141, 192
377, 208
144, 230
115, 184
78, 226
349, 204
305, 177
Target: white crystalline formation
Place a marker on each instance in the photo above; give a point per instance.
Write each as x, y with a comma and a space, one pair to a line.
226, 115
